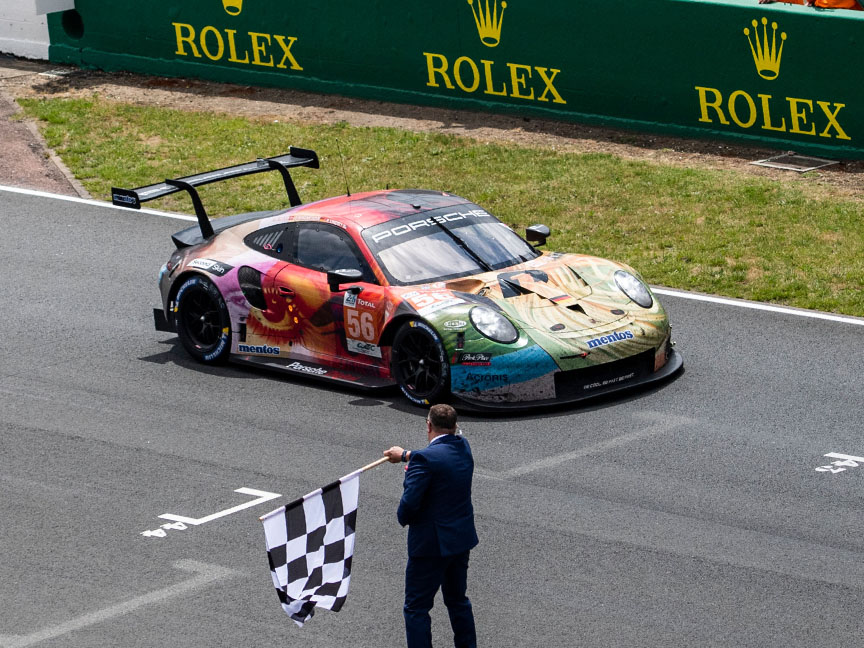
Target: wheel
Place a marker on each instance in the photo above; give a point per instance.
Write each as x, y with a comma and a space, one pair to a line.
202, 321
419, 363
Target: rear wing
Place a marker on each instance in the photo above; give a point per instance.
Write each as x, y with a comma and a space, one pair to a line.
132, 198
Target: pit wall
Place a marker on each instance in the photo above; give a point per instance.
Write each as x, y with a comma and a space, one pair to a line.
733, 69
24, 26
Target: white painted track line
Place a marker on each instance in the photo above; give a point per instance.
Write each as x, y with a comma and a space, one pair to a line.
204, 574
95, 203
655, 423
724, 301
743, 303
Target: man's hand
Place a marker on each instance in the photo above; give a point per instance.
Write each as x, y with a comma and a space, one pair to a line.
394, 454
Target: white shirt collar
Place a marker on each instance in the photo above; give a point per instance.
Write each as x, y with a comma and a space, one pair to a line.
437, 437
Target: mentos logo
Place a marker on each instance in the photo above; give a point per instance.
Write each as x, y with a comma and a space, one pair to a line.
267, 350
609, 339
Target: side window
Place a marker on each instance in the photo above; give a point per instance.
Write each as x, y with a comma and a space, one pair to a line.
273, 241
324, 247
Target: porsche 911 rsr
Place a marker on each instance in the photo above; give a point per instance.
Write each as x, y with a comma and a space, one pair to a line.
417, 288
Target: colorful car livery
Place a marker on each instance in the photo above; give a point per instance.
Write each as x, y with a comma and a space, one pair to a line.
417, 288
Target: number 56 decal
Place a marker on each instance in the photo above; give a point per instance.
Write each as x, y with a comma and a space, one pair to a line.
359, 326
360, 333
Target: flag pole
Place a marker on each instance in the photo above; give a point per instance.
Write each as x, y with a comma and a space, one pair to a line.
373, 464
348, 476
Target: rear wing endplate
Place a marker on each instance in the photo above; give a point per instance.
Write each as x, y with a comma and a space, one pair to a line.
132, 198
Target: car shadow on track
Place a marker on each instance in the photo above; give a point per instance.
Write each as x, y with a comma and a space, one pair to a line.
391, 396
633, 394
177, 355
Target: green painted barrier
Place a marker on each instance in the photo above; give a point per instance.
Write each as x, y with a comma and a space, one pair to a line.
783, 76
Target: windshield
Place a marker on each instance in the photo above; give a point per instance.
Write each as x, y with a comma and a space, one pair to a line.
445, 244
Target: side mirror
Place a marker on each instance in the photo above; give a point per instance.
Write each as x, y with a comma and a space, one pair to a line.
342, 276
537, 234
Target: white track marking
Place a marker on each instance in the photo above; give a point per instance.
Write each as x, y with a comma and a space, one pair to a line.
262, 496
837, 455
204, 575
738, 303
658, 424
95, 203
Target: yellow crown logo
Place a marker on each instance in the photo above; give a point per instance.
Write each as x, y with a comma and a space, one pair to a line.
765, 54
488, 21
233, 7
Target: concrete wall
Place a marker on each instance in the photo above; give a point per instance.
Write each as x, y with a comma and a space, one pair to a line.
24, 26
732, 69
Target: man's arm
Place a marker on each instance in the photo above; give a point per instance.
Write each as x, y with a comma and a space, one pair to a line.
395, 454
417, 478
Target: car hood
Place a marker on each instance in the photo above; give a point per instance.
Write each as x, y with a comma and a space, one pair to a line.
563, 295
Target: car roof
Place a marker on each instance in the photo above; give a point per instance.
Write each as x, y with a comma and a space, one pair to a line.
374, 207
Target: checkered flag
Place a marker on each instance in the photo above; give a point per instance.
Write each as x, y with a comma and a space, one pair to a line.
310, 545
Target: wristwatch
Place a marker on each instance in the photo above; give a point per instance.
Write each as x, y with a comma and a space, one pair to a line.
404, 452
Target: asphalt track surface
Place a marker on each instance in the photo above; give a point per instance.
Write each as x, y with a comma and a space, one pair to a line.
691, 514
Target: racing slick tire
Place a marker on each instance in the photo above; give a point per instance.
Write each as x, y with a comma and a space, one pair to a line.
419, 363
202, 321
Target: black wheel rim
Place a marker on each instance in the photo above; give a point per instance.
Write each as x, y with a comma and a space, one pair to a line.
202, 319
419, 364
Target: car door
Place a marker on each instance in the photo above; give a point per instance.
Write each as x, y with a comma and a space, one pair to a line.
333, 327
267, 330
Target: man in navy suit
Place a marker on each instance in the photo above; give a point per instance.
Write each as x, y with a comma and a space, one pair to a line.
436, 506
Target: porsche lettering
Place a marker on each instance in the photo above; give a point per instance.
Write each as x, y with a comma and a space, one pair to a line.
439, 219
315, 371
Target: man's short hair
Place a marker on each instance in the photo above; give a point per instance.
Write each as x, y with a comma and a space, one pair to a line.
442, 417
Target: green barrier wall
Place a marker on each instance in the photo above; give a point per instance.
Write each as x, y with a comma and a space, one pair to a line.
783, 76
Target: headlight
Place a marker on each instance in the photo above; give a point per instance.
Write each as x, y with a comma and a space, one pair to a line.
493, 325
634, 289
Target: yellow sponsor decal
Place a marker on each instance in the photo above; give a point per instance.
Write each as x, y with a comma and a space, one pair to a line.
766, 55
487, 76
233, 7
249, 48
767, 112
488, 21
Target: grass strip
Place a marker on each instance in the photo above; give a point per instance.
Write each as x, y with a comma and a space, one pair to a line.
718, 232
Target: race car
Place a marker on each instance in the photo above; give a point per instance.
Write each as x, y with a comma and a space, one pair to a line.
417, 288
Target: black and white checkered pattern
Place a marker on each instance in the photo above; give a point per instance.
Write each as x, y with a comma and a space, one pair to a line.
310, 545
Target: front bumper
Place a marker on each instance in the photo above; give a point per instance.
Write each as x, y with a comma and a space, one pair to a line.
582, 384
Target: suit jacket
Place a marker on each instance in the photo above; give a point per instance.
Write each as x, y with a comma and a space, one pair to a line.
436, 499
